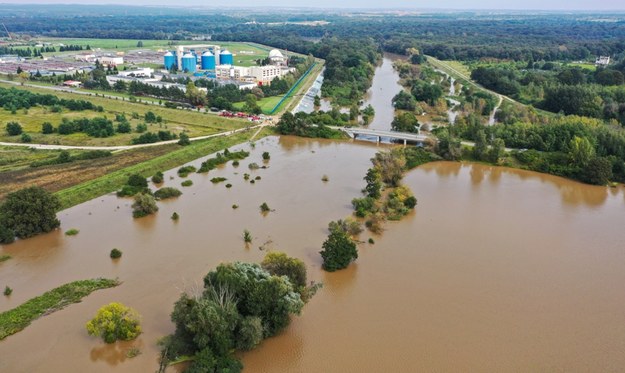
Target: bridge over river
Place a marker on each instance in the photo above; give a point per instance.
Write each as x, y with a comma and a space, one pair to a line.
356, 132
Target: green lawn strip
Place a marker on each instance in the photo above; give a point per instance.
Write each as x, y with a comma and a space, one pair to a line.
12, 321
115, 180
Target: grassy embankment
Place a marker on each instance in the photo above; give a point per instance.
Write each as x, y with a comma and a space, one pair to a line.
4, 258
12, 321
112, 181
268, 103
194, 123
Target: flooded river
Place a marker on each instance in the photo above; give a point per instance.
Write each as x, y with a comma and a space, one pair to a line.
496, 270
384, 87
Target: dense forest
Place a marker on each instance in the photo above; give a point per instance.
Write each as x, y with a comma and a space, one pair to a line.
568, 89
459, 36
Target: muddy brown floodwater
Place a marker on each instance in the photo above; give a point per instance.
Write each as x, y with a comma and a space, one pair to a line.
496, 270
384, 87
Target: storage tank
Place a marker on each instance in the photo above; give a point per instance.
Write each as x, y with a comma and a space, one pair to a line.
189, 63
225, 58
169, 60
208, 61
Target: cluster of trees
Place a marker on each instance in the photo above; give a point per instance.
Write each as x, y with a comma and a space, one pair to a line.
569, 90
65, 157
115, 321
152, 137
241, 304
95, 127
26, 213
26, 52
580, 148
13, 99
517, 37
339, 250
302, 124
448, 36
218, 96
387, 172
405, 122
72, 47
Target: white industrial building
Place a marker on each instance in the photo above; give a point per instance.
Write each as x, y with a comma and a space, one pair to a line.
145, 72
254, 74
111, 61
276, 57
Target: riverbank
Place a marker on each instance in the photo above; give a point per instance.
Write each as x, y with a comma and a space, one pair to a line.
85, 191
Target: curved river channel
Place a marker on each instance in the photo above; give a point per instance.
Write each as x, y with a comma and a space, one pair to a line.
496, 269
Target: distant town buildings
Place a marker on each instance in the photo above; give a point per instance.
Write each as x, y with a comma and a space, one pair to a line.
602, 61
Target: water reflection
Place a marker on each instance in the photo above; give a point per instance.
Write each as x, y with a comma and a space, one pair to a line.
572, 193
114, 353
339, 283
477, 175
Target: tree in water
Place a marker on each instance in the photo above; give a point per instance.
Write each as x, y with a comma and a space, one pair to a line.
29, 212
115, 321
339, 250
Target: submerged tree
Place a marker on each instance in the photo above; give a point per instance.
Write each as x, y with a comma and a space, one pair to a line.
242, 303
339, 250
29, 212
115, 321
144, 205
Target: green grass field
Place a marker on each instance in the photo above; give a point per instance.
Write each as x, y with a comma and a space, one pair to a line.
245, 54
587, 66
119, 44
17, 157
460, 67
266, 104
195, 123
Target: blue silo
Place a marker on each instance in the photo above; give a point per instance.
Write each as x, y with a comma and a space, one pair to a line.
189, 63
208, 61
225, 58
169, 60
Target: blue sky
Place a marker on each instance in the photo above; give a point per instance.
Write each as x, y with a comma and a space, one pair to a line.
423, 4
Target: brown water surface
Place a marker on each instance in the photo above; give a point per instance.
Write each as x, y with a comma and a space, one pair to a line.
384, 87
496, 270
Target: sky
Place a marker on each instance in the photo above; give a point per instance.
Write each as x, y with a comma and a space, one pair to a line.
414, 4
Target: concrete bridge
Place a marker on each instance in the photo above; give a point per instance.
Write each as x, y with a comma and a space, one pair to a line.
356, 132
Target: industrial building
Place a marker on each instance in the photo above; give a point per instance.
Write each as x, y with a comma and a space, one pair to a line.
262, 75
276, 58
181, 59
220, 64
111, 61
